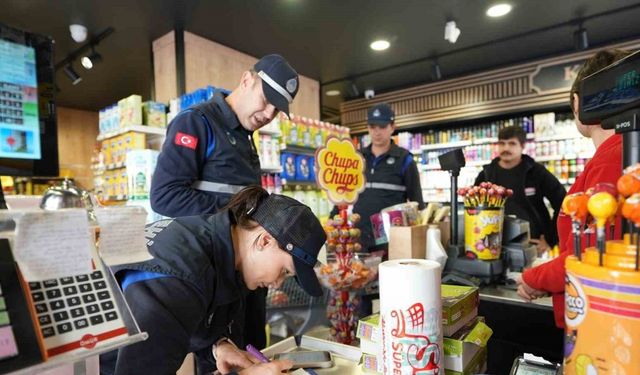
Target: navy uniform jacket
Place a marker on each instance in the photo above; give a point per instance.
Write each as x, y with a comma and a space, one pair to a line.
391, 178
193, 299
206, 158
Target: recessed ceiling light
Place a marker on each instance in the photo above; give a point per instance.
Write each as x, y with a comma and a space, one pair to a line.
499, 10
332, 93
380, 45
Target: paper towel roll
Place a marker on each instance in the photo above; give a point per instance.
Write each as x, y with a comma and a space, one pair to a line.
411, 317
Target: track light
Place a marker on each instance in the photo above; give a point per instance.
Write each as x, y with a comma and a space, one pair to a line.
90, 60
71, 73
580, 39
436, 74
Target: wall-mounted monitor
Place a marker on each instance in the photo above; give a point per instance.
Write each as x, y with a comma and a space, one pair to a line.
28, 129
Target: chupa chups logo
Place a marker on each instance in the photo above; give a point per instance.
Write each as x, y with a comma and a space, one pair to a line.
575, 302
340, 171
410, 348
88, 341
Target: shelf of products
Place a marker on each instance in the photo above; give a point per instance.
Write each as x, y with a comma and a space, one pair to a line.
143, 129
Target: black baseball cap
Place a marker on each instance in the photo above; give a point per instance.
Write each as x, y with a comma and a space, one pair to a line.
280, 81
298, 232
380, 115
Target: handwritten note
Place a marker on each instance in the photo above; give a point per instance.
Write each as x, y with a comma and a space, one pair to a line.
122, 235
52, 244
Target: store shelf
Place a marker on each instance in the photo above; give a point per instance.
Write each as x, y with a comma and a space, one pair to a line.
295, 149
477, 163
301, 183
437, 146
416, 151
541, 159
560, 137
115, 198
113, 166
134, 128
531, 136
275, 133
484, 141
271, 169
429, 167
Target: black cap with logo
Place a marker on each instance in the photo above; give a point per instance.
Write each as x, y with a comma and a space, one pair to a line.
298, 232
380, 115
280, 81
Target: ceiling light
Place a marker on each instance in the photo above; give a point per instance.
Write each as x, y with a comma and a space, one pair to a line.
499, 10
89, 61
78, 33
380, 45
580, 39
332, 93
451, 31
71, 73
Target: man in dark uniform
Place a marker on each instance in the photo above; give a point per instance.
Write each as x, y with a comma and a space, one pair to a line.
209, 155
391, 173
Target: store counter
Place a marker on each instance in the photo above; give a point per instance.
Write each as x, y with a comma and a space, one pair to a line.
502, 294
518, 327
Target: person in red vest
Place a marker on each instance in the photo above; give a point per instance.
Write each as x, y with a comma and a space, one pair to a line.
605, 166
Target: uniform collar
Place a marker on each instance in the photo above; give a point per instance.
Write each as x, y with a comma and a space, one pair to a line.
231, 119
394, 150
229, 284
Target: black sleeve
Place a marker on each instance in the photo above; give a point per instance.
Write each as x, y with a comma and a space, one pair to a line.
480, 178
169, 310
178, 167
553, 190
412, 183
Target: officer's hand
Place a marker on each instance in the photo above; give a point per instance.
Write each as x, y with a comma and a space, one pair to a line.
271, 368
231, 358
541, 245
528, 293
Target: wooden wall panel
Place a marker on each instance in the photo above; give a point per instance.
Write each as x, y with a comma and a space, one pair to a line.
77, 132
490, 93
164, 68
211, 63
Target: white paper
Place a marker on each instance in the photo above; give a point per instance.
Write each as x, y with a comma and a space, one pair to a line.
411, 316
122, 235
52, 244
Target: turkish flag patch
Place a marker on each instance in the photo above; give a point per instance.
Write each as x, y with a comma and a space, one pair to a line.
186, 140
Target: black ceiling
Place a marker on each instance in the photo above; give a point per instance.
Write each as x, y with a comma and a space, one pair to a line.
327, 40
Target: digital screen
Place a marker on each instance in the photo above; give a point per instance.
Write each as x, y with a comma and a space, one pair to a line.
611, 91
19, 120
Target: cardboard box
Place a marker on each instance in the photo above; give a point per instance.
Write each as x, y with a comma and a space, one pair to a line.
369, 328
463, 347
478, 365
408, 242
372, 364
459, 306
411, 242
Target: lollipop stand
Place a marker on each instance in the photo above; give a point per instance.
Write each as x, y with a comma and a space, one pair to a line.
344, 275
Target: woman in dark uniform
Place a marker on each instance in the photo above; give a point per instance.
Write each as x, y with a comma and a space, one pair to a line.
189, 295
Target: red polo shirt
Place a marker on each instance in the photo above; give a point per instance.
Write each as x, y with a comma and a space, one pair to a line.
606, 166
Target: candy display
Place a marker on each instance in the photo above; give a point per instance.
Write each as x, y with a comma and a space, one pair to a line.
602, 283
483, 218
346, 271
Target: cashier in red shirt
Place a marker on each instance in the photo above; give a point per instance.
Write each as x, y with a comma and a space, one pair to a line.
605, 166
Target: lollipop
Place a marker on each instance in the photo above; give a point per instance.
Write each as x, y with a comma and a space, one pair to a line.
602, 206
631, 212
575, 205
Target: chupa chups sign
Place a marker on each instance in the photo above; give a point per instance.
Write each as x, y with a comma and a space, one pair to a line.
340, 171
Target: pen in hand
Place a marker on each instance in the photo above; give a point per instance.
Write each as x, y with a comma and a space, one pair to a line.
256, 353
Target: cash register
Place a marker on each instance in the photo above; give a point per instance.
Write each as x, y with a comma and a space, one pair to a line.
517, 252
